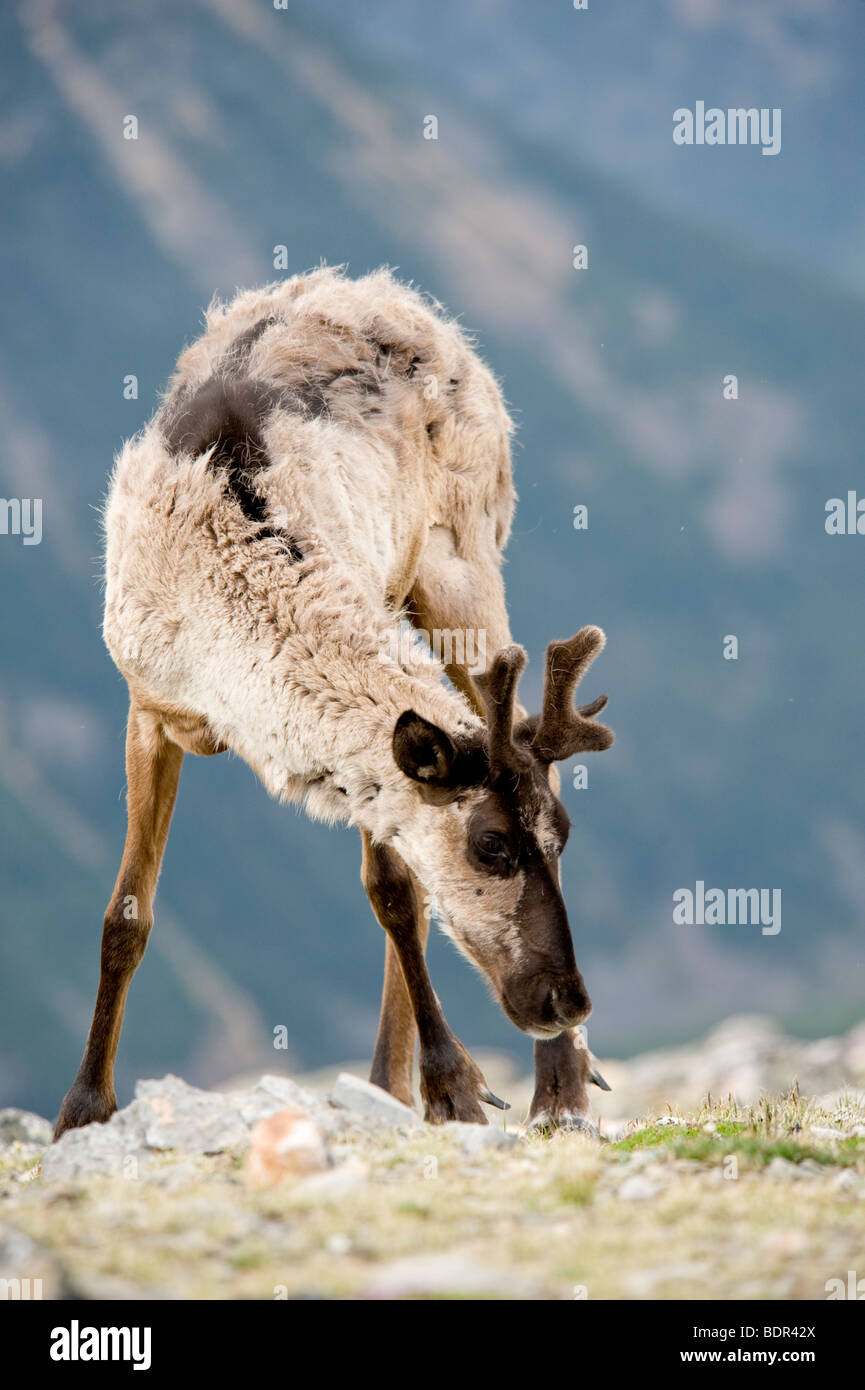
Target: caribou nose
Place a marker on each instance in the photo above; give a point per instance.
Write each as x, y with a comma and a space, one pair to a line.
570, 1004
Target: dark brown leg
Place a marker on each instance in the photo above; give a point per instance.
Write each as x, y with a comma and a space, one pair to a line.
393, 1059
563, 1072
152, 771
452, 1086
563, 1069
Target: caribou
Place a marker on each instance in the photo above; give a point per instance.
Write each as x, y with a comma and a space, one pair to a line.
330, 462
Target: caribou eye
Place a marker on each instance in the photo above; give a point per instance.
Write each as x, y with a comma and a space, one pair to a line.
493, 848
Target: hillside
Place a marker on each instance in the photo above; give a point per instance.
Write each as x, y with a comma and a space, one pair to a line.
260, 129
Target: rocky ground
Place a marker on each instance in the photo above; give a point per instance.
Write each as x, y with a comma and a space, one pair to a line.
732, 1168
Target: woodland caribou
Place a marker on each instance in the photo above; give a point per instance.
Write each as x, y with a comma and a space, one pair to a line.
332, 458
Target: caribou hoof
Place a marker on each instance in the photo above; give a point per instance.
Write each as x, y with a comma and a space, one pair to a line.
563, 1121
452, 1087
83, 1106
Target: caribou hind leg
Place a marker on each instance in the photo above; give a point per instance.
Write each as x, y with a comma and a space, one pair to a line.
393, 1059
153, 769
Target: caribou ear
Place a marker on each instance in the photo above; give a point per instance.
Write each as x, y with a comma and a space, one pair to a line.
424, 752
428, 755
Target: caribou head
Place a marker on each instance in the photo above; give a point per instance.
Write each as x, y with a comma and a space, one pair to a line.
486, 844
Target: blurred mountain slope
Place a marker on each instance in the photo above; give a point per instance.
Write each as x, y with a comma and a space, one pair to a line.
261, 128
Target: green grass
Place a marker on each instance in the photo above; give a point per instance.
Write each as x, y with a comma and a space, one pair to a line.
758, 1133
690, 1142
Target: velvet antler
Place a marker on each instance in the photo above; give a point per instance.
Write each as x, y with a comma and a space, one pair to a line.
498, 688
561, 729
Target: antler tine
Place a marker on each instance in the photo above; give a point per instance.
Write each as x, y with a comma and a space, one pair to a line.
498, 688
564, 730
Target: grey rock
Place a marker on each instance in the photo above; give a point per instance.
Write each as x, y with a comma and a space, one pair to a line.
289, 1094
783, 1168
182, 1173
474, 1139
372, 1103
780, 1168
178, 1116
282, 1093
23, 1127
745, 1056
115, 1149
166, 1116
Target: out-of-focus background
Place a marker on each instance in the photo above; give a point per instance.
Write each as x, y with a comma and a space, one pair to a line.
303, 128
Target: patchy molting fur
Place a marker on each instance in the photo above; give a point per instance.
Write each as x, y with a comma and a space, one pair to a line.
286, 661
